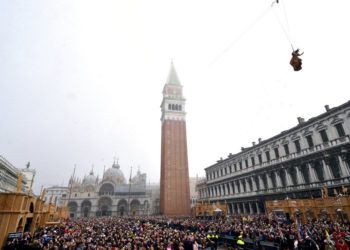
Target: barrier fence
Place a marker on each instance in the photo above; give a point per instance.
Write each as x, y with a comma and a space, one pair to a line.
249, 244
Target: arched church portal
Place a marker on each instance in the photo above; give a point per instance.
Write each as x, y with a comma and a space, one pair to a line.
122, 207
105, 206
85, 208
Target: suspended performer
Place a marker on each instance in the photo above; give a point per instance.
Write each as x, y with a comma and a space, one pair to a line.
296, 62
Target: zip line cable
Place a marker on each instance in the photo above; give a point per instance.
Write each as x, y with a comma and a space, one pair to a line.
286, 33
286, 16
245, 31
286, 30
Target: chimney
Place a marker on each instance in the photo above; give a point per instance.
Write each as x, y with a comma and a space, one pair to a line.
253, 143
301, 120
326, 107
259, 140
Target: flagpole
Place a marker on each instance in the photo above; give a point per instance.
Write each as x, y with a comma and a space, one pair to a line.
129, 190
71, 184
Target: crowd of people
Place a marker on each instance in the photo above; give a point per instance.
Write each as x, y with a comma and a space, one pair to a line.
185, 233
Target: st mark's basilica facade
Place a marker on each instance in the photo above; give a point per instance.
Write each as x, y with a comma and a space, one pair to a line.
112, 195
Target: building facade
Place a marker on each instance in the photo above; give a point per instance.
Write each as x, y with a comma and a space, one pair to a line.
9, 176
24, 212
193, 190
112, 195
297, 163
174, 177
29, 175
57, 195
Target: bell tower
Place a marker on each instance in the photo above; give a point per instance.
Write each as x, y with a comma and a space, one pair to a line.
174, 177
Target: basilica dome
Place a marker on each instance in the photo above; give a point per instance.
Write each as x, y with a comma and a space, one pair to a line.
90, 179
114, 174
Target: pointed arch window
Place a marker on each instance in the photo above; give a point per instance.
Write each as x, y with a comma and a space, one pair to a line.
340, 129
253, 161
277, 153
310, 142
267, 154
324, 135
286, 149
297, 146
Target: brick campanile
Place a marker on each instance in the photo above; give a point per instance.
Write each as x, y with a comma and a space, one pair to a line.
174, 178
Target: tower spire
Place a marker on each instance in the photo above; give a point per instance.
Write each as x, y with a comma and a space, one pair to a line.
172, 76
92, 170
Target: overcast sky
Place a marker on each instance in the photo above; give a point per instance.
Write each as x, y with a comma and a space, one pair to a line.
81, 81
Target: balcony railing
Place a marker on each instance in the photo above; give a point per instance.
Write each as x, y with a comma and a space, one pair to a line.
132, 194
279, 190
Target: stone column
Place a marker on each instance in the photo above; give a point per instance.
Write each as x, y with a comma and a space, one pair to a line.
223, 187
257, 207
253, 184
326, 170
278, 179
250, 208
269, 181
244, 208
239, 208
241, 186
344, 169
236, 187
261, 182
288, 178
312, 173
231, 187
247, 185
300, 177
